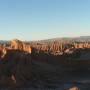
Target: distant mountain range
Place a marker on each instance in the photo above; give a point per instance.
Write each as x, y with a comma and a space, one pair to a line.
68, 39
83, 38
75, 39
3, 41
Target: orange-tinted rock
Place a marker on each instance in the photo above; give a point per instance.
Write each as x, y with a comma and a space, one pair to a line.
17, 44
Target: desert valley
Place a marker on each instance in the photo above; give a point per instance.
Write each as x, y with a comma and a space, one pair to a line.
60, 64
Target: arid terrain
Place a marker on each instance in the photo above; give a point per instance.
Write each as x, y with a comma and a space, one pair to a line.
50, 64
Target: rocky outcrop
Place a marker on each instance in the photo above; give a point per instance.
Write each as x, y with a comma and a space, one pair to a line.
19, 63
1, 49
82, 45
59, 47
56, 48
15, 67
17, 44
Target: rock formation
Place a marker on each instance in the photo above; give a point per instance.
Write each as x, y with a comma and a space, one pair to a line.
17, 44
40, 63
15, 65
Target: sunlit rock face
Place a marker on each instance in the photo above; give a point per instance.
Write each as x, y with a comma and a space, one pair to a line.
27, 48
17, 44
82, 45
1, 49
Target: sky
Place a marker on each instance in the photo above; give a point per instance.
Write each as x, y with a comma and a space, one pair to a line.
43, 19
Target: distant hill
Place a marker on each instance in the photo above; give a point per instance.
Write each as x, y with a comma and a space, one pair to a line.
66, 39
3, 42
83, 38
63, 39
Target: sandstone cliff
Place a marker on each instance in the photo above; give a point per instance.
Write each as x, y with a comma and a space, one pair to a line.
17, 44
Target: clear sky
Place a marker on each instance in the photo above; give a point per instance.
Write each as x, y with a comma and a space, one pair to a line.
42, 19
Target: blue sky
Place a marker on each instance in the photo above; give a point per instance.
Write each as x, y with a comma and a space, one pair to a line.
42, 19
